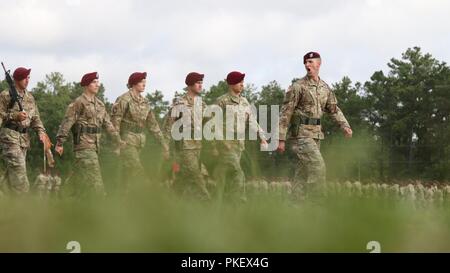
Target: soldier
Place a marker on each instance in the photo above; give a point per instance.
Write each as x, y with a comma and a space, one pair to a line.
187, 151
131, 115
229, 173
304, 104
14, 133
86, 116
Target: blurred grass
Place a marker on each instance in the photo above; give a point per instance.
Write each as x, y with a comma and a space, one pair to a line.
152, 220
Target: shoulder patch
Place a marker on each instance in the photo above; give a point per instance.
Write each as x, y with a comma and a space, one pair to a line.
177, 101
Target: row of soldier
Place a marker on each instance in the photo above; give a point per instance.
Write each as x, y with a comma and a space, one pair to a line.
417, 192
306, 100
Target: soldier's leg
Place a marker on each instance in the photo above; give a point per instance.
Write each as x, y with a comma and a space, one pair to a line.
132, 169
16, 171
300, 170
88, 180
232, 176
191, 178
311, 165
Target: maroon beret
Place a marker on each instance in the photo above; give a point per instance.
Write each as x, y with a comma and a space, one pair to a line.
310, 55
21, 73
193, 77
136, 77
88, 78
235, 77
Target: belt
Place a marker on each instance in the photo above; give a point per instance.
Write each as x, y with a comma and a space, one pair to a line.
310, 121
91, 130
307, 121
16, 128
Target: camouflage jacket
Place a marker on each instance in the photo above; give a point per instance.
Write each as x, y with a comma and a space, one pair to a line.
32, 121
131, 114
244, 110
308, 99
85, 112
189, 105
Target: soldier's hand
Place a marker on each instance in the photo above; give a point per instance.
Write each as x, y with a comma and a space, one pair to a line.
175, 167
59, 149
281, 146
20, 116
264, 145
43, 137
348, 133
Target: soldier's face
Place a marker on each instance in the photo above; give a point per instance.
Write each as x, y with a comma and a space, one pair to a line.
197, 87
140, 86
23, 84
312, 66
93, 86
237, 88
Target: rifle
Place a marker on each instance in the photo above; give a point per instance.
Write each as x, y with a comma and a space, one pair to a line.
12, 90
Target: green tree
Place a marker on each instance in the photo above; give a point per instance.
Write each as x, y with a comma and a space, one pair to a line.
215, 91
158, 104
408, 110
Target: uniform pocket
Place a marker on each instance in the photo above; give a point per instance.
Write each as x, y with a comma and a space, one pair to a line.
9, 136
306, 145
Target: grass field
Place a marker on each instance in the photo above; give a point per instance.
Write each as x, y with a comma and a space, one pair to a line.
153, 220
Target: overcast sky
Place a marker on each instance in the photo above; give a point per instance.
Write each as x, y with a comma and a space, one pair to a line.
170, 38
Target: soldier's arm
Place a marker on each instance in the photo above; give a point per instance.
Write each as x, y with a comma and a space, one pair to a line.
167, 124
335, 112
254, 125
111, 129
290, 101
153, 126
69, 120
118, 110
214, 143
4, 115
36, 122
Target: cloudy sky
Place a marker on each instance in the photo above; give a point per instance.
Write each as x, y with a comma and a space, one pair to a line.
170, 38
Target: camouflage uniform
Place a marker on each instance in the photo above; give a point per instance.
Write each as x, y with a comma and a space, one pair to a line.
131, 115
187, 151
86, 117
303, 106
229, 172
15, 139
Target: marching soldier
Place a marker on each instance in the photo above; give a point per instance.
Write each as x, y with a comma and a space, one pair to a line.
187, 151
229, 173
14, 133
131, 116
86, 117
300, 124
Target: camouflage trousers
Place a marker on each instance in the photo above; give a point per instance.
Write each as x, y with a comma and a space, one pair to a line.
310, 171
230, 176
131, 167
15, 176
190, 180
87, 177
